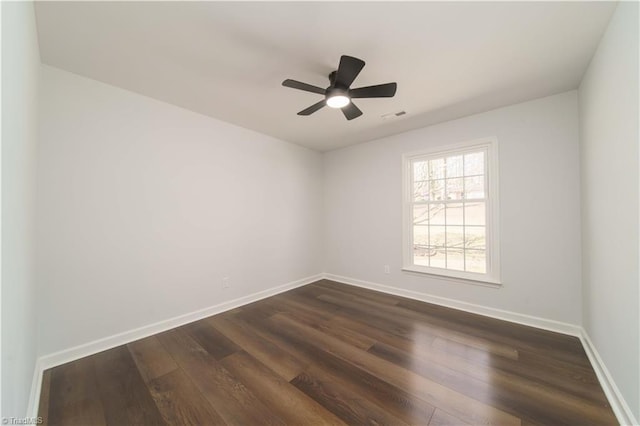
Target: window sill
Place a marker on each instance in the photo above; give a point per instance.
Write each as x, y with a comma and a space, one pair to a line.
463, 278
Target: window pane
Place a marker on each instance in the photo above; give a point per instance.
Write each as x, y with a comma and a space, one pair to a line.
420, 235
421, 245
455, 236
455, 214
436, 214
439, 259
436, 189
421, 191
454, 166
476, 261
420, 215
422, 253
420, 259
474, 213
455, 259
454, 189
420, 170
474, 187
437, 237
436, 169
474, 164
474, 237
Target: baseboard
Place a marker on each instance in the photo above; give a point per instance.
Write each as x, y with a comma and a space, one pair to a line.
58, 358
616, 400
36, 387
532, 321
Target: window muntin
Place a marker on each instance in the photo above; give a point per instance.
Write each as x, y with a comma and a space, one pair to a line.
450, 226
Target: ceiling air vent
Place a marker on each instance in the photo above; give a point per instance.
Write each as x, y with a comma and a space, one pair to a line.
393, 114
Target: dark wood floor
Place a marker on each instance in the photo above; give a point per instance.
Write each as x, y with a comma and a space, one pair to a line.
329, 353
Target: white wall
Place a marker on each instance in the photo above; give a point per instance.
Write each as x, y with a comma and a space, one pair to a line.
145, 206
20, 75
539, 208
609, 159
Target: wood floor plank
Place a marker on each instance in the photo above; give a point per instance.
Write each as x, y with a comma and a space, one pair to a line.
354, 294
343, 403
43, 405
363, 321
431, 392
312, 302
286, 365
122, 390
151, 358
226, 394
453, 376
339, 332
293, 406
81, 413
261, 308
73, 382
74, 396
394, 400
266, 331
570, 378
418, 340
400, 317
180, 402
286, 303
214, 342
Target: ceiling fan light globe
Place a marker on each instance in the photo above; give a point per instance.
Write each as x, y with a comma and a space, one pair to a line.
338, 101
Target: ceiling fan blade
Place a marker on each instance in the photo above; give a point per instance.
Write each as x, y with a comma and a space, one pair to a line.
378, 91
303, 86
348, 70
351, 111
313, 108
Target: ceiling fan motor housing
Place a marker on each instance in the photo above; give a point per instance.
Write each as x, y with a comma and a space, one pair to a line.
336, 91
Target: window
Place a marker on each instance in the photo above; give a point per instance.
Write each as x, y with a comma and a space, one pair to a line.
450, 212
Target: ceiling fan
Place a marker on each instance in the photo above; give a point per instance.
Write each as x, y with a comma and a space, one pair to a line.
339, 94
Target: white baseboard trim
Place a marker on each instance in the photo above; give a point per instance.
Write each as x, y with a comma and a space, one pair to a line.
616, 400
36, 387
67, 355
545, 324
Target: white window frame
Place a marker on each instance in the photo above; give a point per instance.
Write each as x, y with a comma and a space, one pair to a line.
492, 276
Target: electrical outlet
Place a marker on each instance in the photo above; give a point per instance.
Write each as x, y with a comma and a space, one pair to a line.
386, 269
225, 282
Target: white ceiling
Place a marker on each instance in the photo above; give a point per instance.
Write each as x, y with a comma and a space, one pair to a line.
228, 59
